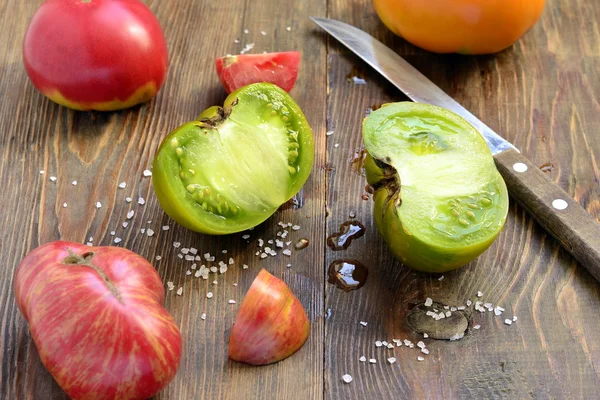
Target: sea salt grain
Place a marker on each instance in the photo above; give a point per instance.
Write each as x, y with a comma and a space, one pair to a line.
441, 278
180, 291
122, 185
477, 327
362, 359
288, 28
287, 252
372, 361
428, 302
203, 316
508, 321
245, 237
65, 205
391, 360
378, 343
231, 301
128, 199
420, 358
149, 232
363, 323
347, 378
74, 183
165, 227
117, 240
130, 214
158, 258
141, 201
209, 295
147, 173
98, 204
53, 178
479, 294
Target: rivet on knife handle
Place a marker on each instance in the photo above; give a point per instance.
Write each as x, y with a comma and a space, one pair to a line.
552, 208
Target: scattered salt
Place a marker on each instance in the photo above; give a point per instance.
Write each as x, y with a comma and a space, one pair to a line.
141, 201
122, 185
147, 173
231, 301
209, 295
347, 378
180, 291
363, 323
428, 302
98, 204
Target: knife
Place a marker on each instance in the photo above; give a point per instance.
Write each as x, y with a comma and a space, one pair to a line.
553, 208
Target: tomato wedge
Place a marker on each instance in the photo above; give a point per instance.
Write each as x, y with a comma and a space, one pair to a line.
280, 69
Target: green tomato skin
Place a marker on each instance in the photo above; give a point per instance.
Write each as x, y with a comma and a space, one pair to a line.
177, 202
410, 247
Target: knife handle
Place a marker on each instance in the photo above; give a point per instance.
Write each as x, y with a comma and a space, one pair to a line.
556, 211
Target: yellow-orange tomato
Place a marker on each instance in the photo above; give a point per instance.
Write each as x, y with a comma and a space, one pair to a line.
460, 26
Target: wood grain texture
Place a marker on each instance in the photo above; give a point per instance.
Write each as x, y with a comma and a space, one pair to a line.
100, 150
541, 94
553, 209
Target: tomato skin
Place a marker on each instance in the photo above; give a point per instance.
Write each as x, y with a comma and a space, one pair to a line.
280, 69
97, 55
460, 26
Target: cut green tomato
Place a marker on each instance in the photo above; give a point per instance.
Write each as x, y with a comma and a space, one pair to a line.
234, 166
439, 200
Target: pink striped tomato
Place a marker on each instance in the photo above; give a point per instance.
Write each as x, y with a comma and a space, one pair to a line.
97, 319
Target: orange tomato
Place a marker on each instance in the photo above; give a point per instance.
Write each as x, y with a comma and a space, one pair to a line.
460, 26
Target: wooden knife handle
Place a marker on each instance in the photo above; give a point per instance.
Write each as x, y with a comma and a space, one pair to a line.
556, 211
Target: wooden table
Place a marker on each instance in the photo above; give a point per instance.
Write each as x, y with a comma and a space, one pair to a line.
542, 94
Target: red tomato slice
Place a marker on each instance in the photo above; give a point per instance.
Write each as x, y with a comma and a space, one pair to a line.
280, 69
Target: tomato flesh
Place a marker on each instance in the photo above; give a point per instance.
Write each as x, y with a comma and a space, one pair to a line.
100, 55
235, 165
439, 199
280, 69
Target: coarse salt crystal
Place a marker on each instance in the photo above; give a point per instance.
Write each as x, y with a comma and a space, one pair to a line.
362, 359
230, 261
213, 269
65, 205
245, 237
203, 316
508, 321
391, 360
363, 323
420, 344
428, 302
479, 294
176, 244
149, 232
347, 378
188, 272
260, 243
425, 351
441, 278
180, 291
469, 302
448, 313
378, 343
165, 227
112, 233
390, 346
98, 204
420, 358
180, 255
122, 185
209, 295
125, 224
288, 28
263, 255
328, 133
231, 301
385, 343
193, 250
42, 172
158, 258
147, 173
246, 31
263, 33
425, 335
244, 266
128, 199
141, 201
117, 240
53, 178
287, 252
223, 269
74, 183
477, 327
372, 361
130, 214
224, 251
336, 145
514, 318
296, 227
358, 81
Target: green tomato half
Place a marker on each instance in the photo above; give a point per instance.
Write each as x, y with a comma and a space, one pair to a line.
234, 166
439, 200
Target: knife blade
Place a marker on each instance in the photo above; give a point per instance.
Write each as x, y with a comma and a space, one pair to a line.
553, 208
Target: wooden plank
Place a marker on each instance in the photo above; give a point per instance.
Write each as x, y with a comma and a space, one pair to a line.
542, 95
100, 150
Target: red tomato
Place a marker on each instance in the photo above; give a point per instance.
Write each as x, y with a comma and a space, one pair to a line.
460, 26
95, 54
270, 325
97, 319
280, 69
